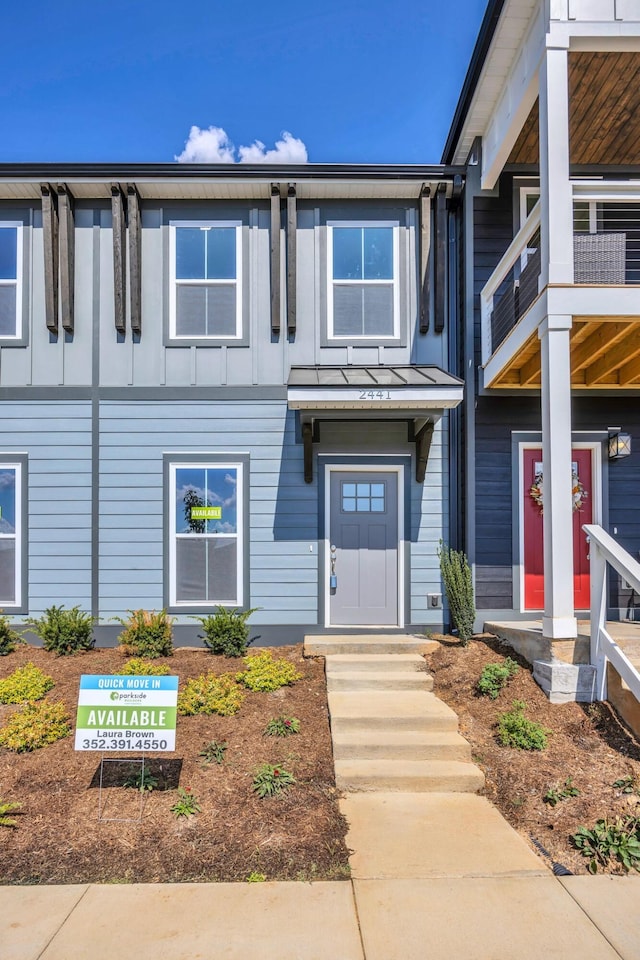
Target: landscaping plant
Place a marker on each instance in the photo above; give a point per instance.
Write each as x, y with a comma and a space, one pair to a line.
138, 667
35, 725
557, 793
516, 730
147, 634
9, 639
142, 780
458, 585
282, 727
226, 631
6, 808
209, 693
265, 673
618, 840
64, 631
255, 877
270, 780
627, 785
495, 676
214, 751
187, 803
25, 683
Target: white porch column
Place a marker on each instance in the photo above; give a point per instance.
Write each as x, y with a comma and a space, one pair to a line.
556, 201
559, 619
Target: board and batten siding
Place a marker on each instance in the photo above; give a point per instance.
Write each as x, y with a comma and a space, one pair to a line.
429, 525
56, 436
283, 518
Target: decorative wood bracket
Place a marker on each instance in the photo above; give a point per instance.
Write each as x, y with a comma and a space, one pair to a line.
275, 258
440, 278
423, 439
135, 258
119, 230
50, 233
425, 245
307, 440
66, 255
292, 242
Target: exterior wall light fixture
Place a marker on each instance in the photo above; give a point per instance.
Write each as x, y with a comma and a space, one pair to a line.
619, 444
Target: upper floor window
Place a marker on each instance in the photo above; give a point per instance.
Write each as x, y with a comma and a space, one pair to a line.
363, 297
206, 280
10, 280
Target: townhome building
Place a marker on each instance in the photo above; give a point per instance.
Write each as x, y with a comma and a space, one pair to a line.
230, 385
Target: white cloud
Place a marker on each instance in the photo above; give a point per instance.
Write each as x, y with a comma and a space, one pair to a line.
214, 146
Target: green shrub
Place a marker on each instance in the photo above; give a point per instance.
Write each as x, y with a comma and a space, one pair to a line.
142, 779
6, 808
495, 676
458, 585
64, 631
25, 683
209, 693
282, 727
147, 634
35, 725
607, 841
9, 639
187, 804
137, 667
269, 780
265, 673
516, 730
226, 631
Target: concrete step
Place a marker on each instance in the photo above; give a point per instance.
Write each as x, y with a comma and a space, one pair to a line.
391, 662
412, 776
324, 646
381, 710
400, 744
380, 680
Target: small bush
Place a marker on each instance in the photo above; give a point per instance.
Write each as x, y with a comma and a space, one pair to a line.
25, 683
256, 877
269, 780
607, 841
187, 804
5, 809
137, 667
147, 634
265, 673
9, 639
282, 727
495, 676
142, 779
213, 752
226, 631
35, 725
64, 631
208, 694
458, 585
516, 730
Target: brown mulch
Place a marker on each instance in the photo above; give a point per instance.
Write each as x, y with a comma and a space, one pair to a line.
298, 835
588, 744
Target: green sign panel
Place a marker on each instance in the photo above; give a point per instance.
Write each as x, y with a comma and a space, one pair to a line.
206, 513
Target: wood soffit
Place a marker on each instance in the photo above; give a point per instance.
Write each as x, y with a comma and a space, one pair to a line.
605, 354
604, 125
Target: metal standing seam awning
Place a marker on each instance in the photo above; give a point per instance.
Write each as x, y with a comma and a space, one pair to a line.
417, 393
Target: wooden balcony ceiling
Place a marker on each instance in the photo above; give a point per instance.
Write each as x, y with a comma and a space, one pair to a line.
604, 125
605, 355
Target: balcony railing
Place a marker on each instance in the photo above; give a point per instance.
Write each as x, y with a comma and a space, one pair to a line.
606, 241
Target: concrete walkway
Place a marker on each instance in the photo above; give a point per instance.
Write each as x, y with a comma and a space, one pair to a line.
437, 873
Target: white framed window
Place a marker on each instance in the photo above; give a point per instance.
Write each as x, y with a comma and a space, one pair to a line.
10, 280
529, 196
363, 280
207, 533
11, 535
206, 280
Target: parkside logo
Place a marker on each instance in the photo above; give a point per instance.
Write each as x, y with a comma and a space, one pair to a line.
127, 697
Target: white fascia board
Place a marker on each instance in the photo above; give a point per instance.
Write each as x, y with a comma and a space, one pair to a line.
585, 300
354, 398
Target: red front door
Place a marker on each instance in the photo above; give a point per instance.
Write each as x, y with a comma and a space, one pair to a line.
533, 537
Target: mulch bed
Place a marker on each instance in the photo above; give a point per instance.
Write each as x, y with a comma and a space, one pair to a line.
298, 835
588, 744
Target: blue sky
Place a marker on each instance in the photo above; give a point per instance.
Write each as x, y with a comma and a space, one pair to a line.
353, 81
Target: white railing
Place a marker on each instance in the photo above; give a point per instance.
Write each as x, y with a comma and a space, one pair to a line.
604, 550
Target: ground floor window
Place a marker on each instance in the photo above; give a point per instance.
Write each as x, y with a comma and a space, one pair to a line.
207, 530
11, 534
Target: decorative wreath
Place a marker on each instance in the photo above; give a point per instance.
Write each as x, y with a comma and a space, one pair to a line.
578, 492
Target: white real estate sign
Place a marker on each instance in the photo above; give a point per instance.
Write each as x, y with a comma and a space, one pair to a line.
126, 713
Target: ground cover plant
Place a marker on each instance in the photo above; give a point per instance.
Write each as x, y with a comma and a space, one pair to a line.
270, 779
590, 750
282, 727
139, 667
59, 839
495, 676
9, 638
211, 693
266, 673
226, 631
561, 792
607, 841
517, 730
6, 808
147, 633
25, 683
35, 725
64, 631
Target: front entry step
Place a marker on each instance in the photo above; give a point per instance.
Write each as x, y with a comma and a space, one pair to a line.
400, 745
378, 680
385, 710
325, 646
416, 776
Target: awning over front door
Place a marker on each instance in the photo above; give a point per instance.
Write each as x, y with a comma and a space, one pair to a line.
419, 394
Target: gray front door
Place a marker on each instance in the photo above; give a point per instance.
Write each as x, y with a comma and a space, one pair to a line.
363, 529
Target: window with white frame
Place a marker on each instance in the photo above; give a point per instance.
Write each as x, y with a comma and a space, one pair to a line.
10, 534
10, 280
207, 533
363, 300
206, 280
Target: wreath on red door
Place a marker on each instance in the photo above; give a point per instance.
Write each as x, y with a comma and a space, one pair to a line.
578, 492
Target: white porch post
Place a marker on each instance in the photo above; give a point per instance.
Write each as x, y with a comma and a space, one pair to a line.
556, 201
559, 619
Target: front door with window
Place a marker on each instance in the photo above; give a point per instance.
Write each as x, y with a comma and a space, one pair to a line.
363, 540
